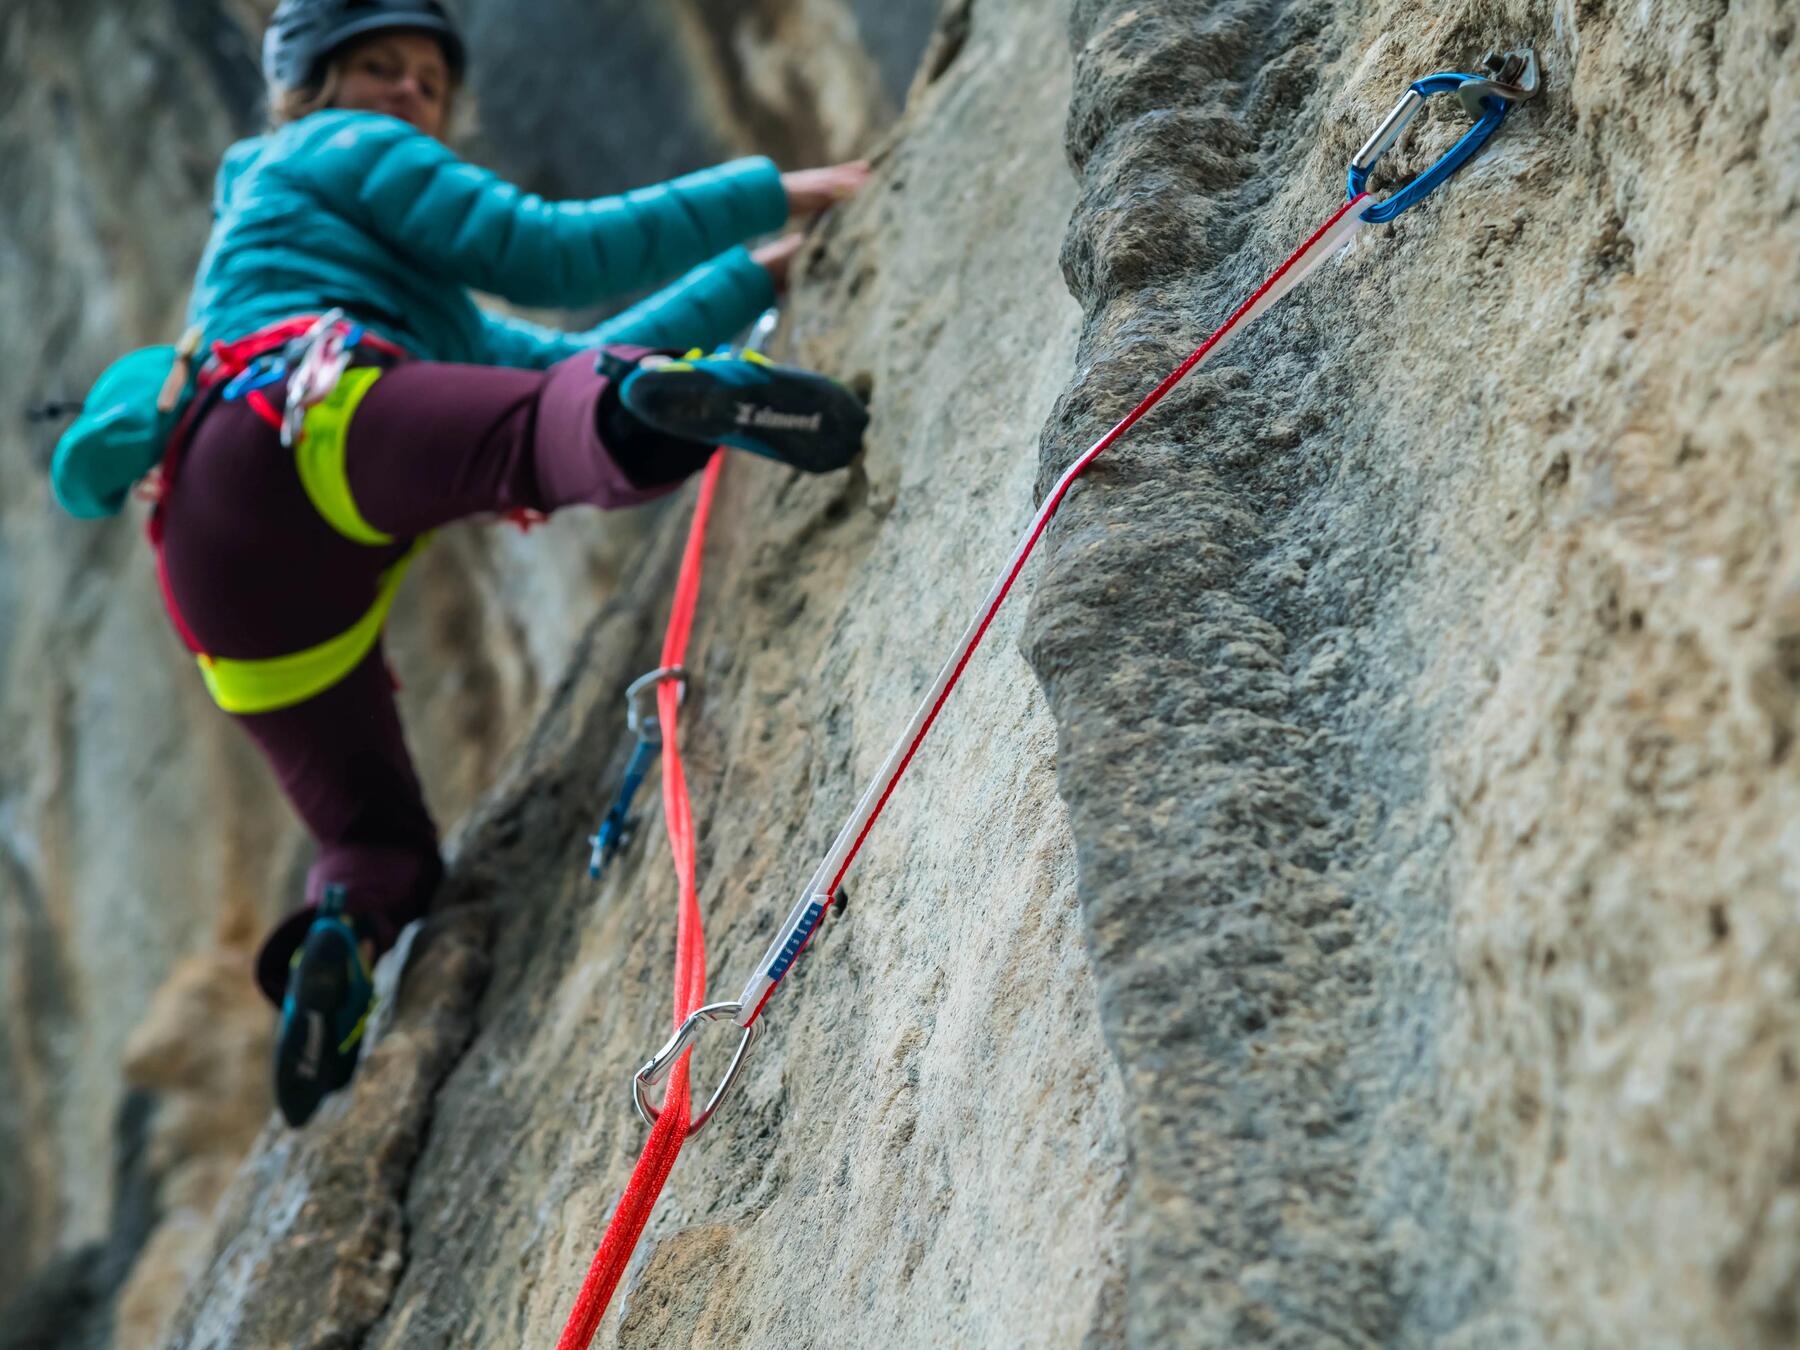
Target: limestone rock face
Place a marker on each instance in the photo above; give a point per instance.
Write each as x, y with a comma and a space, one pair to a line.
1374, 924
141, 842
888, 1142
117, 855
1425, 683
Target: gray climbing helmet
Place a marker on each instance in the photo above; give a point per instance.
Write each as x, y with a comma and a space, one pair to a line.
304, 32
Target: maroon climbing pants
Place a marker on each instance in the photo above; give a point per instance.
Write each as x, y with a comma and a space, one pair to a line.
256, 572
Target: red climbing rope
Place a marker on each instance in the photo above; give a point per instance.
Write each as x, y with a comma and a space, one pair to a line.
671, 1128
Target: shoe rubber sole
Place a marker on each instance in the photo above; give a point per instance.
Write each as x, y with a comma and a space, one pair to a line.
311, 1059
808, 421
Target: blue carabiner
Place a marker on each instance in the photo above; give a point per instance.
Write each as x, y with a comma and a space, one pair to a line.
616, 828
259, 374
1494, 108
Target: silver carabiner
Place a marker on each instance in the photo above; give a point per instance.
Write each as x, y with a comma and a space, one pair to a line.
315, 371
643, 723
657, 1067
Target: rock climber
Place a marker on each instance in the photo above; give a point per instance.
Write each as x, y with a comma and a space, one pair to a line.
351, 397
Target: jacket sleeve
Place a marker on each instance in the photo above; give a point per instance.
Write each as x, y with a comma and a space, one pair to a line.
230, 166
450, 216
710, 305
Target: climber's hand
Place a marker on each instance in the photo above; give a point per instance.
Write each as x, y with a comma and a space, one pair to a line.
776, 257
810, 191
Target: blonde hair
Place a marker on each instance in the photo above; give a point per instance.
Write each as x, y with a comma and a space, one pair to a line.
289, 103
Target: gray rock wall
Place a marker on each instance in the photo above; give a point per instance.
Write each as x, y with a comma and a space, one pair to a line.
1424, 679
114, 856
1407, 955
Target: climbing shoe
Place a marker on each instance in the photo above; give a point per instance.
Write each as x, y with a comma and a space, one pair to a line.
330, 994
743, 399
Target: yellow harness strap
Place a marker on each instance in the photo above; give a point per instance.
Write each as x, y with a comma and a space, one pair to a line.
319, 457
282, 681
276, 682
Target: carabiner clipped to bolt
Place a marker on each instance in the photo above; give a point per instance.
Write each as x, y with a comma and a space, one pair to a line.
1512, 77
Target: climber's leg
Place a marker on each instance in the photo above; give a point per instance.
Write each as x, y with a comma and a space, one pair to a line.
342, 760
257, 573
433, 442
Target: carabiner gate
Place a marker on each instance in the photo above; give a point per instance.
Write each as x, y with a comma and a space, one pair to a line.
1512, 77
657, 1067
640, 701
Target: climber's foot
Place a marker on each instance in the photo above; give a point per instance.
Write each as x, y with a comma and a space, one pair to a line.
330, 995
744, 400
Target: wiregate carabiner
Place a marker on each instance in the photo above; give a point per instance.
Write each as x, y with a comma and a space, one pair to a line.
657, 1067
616, 827
1512, 77
640, 695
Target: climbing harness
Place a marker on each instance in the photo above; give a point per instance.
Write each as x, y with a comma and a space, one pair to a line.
244, 369
1511, 78
314, 355
617, 827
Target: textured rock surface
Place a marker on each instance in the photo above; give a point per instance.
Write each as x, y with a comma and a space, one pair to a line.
115, 857
1425, 680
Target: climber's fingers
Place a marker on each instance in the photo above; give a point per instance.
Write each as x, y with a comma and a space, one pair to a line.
777, 257
810, 191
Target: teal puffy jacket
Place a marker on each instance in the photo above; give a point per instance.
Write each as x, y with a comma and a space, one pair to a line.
362, 210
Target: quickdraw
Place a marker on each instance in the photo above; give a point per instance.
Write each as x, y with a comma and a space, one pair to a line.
1511, 78
816, 897
617, 827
